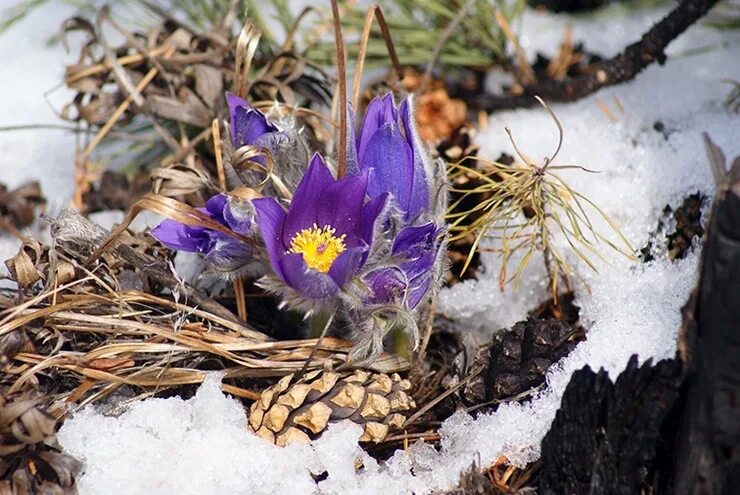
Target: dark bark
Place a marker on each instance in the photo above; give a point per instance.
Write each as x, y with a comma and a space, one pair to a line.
619, 69
708, 443
605, 435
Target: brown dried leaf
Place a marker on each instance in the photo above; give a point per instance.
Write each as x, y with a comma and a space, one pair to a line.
186, 108
23, 422
65, 467
209, 84
11, 344
24, 266
111, 364
18, 206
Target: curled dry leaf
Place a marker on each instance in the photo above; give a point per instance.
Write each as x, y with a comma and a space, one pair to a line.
24, 266
23, 421
18, 206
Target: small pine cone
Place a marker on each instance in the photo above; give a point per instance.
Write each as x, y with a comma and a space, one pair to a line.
299, 411
517, 359
688, 226
459, 144
521, 358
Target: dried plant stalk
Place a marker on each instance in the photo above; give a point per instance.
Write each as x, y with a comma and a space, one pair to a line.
525, 206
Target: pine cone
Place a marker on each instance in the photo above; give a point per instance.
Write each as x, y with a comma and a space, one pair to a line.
518, 359
27, 463
680, 226
299, 411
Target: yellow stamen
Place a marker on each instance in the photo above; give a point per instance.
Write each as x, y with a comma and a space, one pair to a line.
319, 246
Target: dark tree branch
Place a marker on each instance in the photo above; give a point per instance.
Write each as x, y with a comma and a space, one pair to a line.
619, 69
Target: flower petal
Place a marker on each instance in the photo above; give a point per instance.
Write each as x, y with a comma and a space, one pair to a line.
370, 213
388, 285
379, 112
388, 155
419, 197
347, 264
247, 123
178, 236
307, 197
310, 283
414, 237
418, 290
271, 220
239, 216
215, 207
227, 254
341, 204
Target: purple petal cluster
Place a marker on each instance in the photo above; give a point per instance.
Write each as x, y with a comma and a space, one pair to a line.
324, 238
368, 245
248, 125
222, 251
409, 280
386, 147
388, 150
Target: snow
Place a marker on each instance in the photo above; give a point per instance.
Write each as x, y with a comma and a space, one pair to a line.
31, 70
201, 445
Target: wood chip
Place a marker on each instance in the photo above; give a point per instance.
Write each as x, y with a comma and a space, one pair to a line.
396, 420
325, 383
294, 397
266, 434
292, 436
381, 383
404, 385
359, 376
376, 406
400, 401
256, 413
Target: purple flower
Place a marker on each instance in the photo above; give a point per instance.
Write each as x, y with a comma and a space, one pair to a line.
222, 251
407, 282
324, 238
248, 124
386, 147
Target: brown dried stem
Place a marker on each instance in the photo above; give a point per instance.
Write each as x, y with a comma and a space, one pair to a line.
342, 83
396, 74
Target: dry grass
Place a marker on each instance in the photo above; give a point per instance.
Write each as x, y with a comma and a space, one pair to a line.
90, 336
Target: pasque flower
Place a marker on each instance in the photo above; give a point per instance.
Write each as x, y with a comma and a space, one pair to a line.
249, 127
323, 240
222, 251
386, 147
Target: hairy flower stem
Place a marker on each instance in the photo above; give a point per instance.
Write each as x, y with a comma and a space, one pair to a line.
320, 324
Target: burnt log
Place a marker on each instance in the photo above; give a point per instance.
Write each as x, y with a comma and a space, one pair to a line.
708, 443
605, 435
675, 427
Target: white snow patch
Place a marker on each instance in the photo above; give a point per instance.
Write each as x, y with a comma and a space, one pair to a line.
31, 69
201, 445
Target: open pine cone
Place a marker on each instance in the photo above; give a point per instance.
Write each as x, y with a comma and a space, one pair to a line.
299, 411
